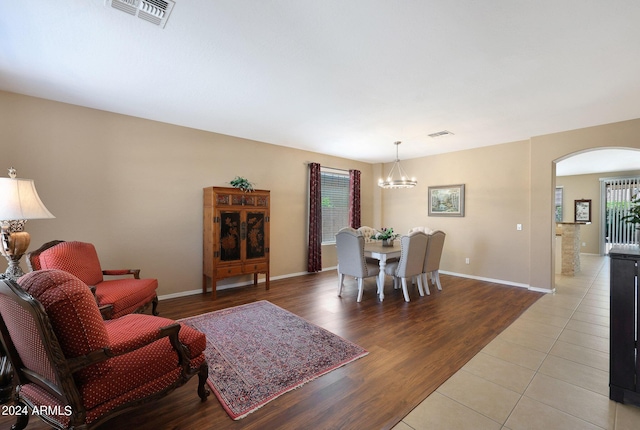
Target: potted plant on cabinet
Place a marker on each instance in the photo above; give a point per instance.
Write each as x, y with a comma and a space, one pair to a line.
241, 183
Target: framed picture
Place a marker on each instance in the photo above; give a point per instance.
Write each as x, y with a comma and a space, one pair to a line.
446, 200
583, 210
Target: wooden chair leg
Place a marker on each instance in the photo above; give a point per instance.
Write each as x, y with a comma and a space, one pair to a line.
405, 291
154, 308
340, 282
22, 419
360, 288
436, 275
426, 284
203, 374
420, 289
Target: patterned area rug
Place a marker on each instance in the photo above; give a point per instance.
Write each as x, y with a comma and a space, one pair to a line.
259, 351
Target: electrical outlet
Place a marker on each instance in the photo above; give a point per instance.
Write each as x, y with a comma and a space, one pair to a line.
519, 227
466, 260
584, 243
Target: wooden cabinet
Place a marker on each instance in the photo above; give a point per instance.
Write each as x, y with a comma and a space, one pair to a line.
236, 235
624, 361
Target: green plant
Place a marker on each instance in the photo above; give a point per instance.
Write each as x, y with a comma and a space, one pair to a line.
241, 183
385, 234
633, 217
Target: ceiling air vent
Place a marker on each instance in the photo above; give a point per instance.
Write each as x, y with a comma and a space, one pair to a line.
155, 11
440, 134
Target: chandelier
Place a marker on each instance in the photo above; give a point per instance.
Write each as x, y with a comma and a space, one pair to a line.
401, 179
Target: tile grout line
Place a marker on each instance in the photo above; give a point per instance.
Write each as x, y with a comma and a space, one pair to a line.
546, 354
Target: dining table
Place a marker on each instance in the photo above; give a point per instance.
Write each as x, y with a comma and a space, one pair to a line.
382, 254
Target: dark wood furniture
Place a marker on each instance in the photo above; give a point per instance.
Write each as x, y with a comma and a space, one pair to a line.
235, 235
624, 364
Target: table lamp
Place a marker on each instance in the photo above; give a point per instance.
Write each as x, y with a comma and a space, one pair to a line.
19, 202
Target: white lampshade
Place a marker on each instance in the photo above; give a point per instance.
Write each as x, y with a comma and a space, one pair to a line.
19, 200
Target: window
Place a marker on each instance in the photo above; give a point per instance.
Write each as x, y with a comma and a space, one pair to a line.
618, 194
334, 187
559, 192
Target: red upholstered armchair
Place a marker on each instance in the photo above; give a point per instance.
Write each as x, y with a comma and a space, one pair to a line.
126, 295
78, 370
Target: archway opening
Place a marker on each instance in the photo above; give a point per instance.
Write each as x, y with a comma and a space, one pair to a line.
581, 178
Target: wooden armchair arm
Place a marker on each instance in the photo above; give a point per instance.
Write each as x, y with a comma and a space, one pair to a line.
106, 311
134, 272
100, 355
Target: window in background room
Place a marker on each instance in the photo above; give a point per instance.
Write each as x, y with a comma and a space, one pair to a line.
334, 186
618, 194
559, 192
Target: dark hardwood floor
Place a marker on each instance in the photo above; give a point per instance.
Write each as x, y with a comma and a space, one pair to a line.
413, 348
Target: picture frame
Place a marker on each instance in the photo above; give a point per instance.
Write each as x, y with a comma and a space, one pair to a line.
582, 210
446, 200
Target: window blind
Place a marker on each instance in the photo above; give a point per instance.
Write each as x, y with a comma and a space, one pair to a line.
618, 193
335, 203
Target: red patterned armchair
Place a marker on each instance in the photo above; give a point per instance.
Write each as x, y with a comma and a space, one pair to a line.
78, 370
126, 295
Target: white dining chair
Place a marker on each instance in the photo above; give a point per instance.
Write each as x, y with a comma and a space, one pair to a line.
368, 233
420, 228
432, 259
351, 260
412, 257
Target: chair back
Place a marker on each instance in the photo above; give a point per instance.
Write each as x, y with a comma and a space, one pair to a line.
78, 258
73, 315
368, 233
427, 230
34, 350
434, 251
350, 247
33, 257
412, 254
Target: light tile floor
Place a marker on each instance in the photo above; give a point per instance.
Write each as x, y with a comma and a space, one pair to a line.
548, 370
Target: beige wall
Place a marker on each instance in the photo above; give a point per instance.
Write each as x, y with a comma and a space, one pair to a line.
579, 187
133, 187
545, 152
496, 182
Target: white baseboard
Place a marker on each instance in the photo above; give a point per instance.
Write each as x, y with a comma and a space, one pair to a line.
499, 281
234, 285
327, 269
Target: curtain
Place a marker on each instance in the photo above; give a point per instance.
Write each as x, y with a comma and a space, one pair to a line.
354, 198
314, 262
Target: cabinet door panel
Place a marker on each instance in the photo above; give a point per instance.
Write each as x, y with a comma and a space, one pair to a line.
256, 234
230, 235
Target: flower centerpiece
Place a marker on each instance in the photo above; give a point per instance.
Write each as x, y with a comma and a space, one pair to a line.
386, 235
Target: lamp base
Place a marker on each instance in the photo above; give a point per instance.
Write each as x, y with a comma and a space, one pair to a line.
14, 245
14, 271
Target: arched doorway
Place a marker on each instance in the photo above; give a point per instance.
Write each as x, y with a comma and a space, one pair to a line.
603, 178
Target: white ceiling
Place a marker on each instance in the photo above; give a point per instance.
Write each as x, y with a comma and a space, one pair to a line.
346, 78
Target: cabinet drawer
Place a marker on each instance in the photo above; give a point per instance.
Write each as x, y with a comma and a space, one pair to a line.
225, 272
256, 267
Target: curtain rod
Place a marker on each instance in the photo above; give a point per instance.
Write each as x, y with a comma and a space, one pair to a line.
333, 168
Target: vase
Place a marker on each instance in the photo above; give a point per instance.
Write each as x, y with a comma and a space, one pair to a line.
387, 242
